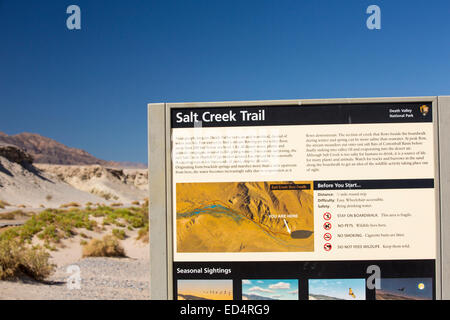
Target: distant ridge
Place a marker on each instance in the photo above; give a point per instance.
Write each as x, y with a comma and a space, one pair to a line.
48, 151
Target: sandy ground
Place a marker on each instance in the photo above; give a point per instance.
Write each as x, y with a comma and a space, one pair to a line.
101, 278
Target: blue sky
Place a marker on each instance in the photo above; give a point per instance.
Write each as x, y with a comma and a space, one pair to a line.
285, 289
89, 88
338, 288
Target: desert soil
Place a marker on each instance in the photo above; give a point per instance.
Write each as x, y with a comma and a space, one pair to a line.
101, 278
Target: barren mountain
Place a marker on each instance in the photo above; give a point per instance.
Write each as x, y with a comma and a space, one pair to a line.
22, 184
46, 150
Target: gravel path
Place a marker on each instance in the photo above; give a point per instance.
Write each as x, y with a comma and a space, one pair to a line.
101, 278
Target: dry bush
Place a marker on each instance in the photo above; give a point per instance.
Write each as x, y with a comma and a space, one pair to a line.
13, 214
109, 246
119, 234
4, 204
143, 234
16, 260
118, 204
71, 204
7, 216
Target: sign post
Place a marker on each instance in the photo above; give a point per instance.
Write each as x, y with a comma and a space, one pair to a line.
279, 200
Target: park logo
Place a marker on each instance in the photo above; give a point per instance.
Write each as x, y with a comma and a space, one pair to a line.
424, 109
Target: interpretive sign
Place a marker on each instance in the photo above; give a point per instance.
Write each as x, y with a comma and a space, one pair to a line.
298, 200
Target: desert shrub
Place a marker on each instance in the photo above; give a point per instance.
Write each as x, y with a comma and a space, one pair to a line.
51, 225
104, 209
8, 216
137, 222
70, 204
136, 218
135, 203
106, 247
118, 204
4, 204
21, 213
16, 259
143, 234
48, 197
119, 234
120, 224
13, 214
103, 194
30, 228
98, 213
50, 233
83, 235
9, 234
48, 246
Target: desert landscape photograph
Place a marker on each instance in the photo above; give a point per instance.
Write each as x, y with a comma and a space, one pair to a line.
71, 226
405, 289
205, 289
244, 217
270, 289
337, 289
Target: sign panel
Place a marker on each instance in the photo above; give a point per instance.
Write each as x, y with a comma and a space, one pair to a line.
329, 201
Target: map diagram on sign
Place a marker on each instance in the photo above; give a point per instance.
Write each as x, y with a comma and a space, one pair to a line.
245, 217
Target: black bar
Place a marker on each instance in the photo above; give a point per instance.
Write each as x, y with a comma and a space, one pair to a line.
357, 113
304, 271
374, 184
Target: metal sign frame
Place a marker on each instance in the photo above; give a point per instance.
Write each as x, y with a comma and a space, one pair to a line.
160, 182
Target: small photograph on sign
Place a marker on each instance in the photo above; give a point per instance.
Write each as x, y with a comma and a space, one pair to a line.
337, 289
205, 289
245, 217
405, 289
265, 289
